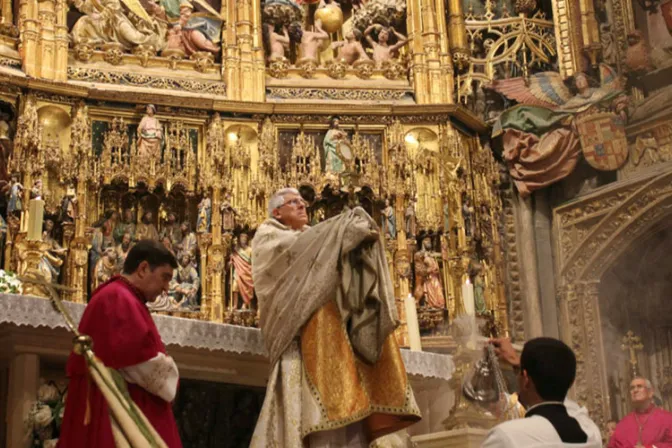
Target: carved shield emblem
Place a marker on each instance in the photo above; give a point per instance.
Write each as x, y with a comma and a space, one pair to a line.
603, 140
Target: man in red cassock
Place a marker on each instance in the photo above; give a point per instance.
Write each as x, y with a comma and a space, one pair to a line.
647, 426
124, 338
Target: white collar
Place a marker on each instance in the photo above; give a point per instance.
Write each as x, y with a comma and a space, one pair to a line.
544, 403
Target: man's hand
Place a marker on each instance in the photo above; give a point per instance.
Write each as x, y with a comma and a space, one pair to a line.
373, 236
505, 351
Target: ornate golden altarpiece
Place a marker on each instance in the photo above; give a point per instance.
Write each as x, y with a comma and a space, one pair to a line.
246, 109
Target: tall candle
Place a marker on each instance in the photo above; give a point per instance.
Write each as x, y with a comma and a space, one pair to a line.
468, 298
412, 324
35, 219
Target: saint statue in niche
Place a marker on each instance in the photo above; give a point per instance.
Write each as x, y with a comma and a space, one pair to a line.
335, 139
150, 136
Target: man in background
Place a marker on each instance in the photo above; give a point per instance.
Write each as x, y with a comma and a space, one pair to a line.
647, 425
546, 370
125, 338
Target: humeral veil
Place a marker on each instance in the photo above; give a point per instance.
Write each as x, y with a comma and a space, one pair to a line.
328, 315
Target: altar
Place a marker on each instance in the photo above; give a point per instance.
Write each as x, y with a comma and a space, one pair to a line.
224, 361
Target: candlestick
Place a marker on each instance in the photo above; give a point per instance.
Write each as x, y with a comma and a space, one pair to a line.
35, 219
412, 324
468, 298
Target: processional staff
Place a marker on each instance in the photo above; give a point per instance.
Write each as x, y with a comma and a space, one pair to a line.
632, 344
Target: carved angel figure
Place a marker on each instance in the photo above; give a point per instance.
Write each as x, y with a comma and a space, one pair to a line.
540, 140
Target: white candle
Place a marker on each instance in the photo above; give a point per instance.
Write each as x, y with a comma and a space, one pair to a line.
468, 298
412, 325
35, 219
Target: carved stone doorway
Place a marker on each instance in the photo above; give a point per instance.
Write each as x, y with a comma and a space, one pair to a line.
635, 296
592, 235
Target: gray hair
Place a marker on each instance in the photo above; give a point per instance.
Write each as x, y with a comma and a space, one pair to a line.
278, 199
646, 381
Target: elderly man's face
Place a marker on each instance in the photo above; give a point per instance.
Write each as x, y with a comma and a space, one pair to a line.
292, 212
640, 393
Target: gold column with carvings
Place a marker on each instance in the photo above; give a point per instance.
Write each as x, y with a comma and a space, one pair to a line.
590, 31
231, 52
457, 33
44, 38
6, 13
243, 68
29, 29
61, 41
78, 169
444, 54
418, 66
568, 33
431, 65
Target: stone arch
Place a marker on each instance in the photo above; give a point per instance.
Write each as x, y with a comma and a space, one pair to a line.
621, 223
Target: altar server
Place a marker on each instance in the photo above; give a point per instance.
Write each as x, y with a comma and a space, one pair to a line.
124, 338
546, 371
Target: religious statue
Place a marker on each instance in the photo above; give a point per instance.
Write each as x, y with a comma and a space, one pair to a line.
485, 225
15, 204
194, 33
54, 256
122, 249
241, 260
5, 145
168, 244
540, 137
126, 226
189, 243
351, 50
36, 190
389, 224
186, 283
609, 44
332, 140
309, 41
228, 214
446, 216
428, 277
409, 218
106, 22
102, 239
68, 209
172, 229
146, 230
204, 215
105, 268
467, 216
150, 136
277, 43
480, 304
382, 50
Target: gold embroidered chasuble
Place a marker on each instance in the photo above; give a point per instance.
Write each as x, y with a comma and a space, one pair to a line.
320, 381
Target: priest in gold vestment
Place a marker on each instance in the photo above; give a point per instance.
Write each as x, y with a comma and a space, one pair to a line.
327, 314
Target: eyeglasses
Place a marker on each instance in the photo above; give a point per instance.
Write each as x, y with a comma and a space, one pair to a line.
294, 203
